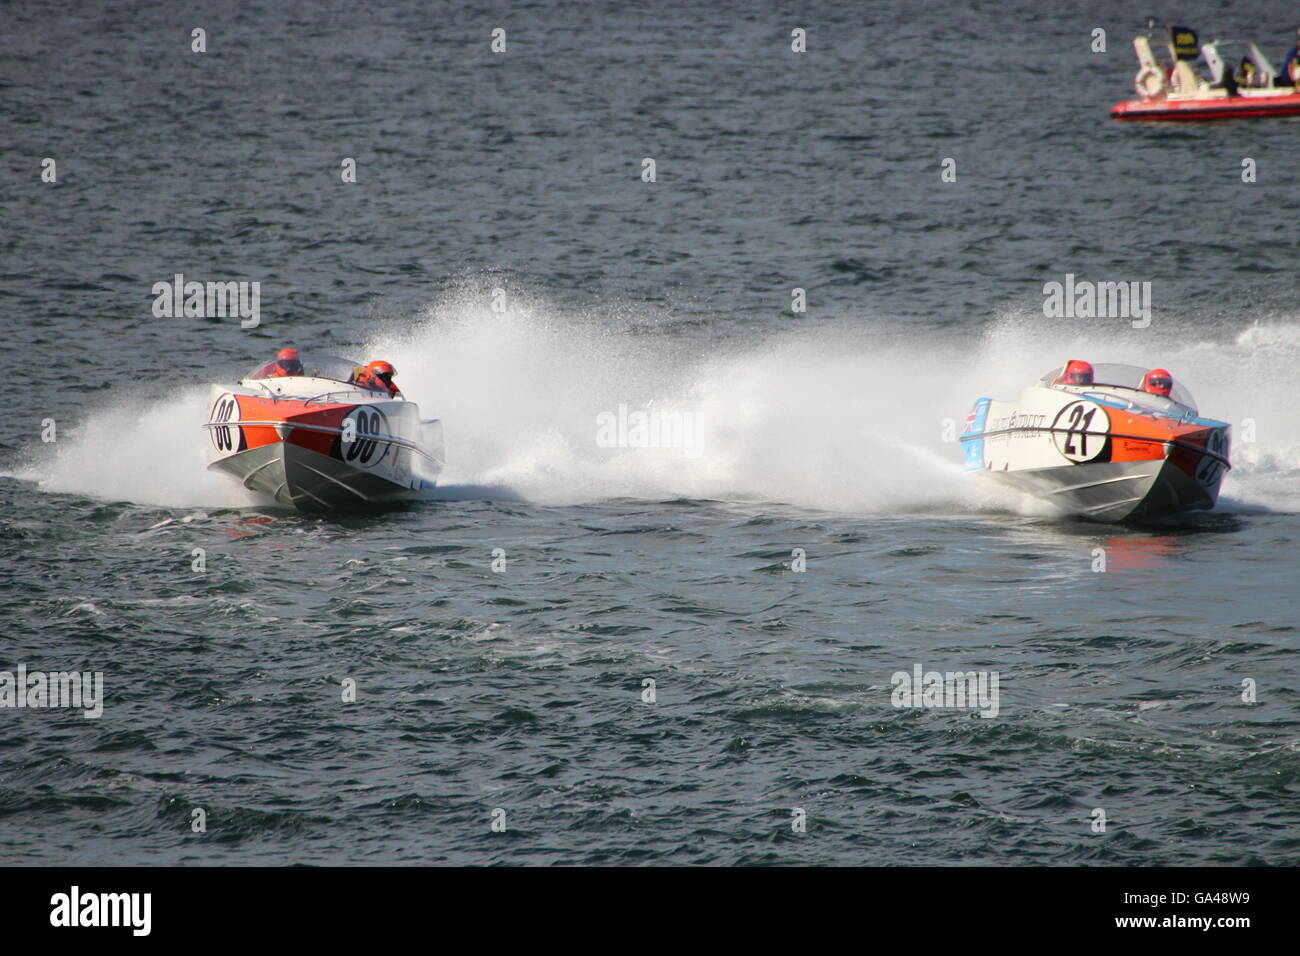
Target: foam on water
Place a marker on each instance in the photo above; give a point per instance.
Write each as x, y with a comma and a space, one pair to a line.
143, 450
836, 418
846, 417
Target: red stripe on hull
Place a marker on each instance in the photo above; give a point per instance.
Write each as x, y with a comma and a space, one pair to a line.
1235, 108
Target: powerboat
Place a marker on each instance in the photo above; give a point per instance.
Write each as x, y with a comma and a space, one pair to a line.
1107, 450
318, 440
1179, 93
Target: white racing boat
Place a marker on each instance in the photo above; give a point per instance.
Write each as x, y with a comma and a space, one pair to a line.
309, 436
1117, 443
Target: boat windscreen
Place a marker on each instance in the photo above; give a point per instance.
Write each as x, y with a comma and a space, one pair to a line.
318, 366
1122, 376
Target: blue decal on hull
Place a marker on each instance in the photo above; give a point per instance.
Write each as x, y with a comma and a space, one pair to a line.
974, 444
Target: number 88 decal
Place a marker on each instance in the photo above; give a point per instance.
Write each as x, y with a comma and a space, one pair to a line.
362, 440
1210, 469
1080, 431
223, 410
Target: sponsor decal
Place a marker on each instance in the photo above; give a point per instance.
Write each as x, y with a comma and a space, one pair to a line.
974, 447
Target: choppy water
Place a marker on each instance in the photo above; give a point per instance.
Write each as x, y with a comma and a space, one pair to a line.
521, 690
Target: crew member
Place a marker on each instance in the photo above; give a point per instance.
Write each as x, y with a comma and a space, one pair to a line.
1246, 72
287, 362
1076, 372
1158, 382
1291, 68
378, 375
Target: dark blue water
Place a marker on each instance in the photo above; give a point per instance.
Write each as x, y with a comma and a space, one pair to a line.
825, 443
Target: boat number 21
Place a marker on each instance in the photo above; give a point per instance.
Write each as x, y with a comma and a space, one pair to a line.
1080, 431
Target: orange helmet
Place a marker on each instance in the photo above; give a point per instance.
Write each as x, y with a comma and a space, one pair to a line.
1158, 382
1077, 372
287, 362
382, 371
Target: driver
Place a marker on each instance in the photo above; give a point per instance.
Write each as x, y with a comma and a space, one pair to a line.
1158, 382
378, 375
1076, 372
287, 362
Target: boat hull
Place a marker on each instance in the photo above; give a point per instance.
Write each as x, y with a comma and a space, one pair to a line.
308, 481
322, 455
1114, 491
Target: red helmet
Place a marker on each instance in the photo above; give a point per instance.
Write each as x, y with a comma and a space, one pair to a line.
383, 371
1077, 372
1158, 382
288, 362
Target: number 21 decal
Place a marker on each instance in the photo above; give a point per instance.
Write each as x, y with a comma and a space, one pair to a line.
1080, 431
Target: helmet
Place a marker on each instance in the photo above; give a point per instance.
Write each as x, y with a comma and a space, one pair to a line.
1077, 372
1158, 382
382, 371
288, 361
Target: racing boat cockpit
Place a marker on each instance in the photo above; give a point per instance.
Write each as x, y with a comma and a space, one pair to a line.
311, 376
1120, 386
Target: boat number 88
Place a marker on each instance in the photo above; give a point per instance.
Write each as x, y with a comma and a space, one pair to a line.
370, 425
223, 411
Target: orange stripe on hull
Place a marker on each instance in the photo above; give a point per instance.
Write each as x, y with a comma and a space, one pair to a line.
1143, 439
252, 408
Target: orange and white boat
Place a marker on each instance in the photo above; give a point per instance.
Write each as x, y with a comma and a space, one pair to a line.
1179, 93
318, 441
1107, 450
